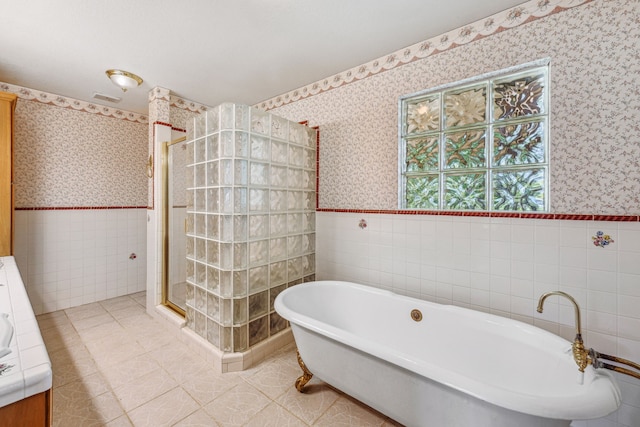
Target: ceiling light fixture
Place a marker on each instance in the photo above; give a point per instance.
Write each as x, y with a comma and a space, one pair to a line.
124, 79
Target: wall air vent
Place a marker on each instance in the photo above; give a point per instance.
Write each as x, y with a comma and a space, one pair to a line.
103, 97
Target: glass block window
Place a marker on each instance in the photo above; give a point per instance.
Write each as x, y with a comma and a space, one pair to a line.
481, 144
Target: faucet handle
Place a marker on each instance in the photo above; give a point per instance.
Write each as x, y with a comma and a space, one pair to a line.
580, 354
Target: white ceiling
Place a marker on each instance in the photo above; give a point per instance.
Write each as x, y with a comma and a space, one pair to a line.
211, 51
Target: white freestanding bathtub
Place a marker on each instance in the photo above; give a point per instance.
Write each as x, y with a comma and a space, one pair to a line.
454, 367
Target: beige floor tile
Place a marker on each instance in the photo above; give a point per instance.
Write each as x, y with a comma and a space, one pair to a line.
391, 423
69, 353
89, 322
144, 388
57, 342
60, 330
170, 353
121, 359
129, 311
198, 419
164, 410
122, 421
178, 361
101, 331
94, 384
75, 410
154, 339
108, 406
275, 377
275, 415
348, 412
107, 342
237, 406
83, 388
119, 303
140, 298
52, 320
311, 404
141, 321
119, 374
84, 311
119, 354
72, 370
205, 385
51, 315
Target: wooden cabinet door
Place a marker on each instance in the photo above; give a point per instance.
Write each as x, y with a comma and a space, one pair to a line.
7, 105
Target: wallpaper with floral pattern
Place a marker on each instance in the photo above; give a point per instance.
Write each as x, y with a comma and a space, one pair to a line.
595, 108
71, 103
70, 158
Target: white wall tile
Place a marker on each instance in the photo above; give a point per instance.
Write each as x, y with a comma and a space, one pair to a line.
522, 288
628, 239
629, 284
522, 251
522, 231
58, 250
602, 259
629, 327
630, 389
605, 323
500, 267
500, 302
573, 277
628, 415
628, 262
522, 306
572, 233
604, 281
629, 306
573, 256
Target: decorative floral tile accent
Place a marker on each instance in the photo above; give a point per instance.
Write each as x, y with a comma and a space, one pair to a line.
601, 239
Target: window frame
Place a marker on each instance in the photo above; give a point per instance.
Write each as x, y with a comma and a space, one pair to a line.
488, 125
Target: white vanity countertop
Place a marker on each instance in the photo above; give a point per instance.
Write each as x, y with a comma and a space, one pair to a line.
25, 371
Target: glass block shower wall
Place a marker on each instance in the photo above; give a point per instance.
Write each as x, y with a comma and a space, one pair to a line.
250, 221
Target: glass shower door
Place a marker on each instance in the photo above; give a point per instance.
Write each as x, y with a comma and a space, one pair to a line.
174, 215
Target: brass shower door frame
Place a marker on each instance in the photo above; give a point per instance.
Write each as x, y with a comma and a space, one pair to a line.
165, 225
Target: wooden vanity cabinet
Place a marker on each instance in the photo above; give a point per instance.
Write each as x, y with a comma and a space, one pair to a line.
34, 411
7, 107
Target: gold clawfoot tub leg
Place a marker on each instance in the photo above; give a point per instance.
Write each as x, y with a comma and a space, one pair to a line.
306, 375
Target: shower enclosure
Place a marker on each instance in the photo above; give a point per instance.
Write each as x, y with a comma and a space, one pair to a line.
174, 168
250, 221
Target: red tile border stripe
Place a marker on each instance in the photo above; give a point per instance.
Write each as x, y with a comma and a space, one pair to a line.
76, 208
629, 218
527, 215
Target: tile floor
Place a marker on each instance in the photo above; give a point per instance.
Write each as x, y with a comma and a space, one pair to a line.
114, 365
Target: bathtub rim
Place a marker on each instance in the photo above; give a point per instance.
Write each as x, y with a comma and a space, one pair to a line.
601, 392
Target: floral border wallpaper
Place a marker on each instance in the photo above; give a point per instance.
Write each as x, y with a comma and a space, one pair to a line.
510, 18
595, 100
71, 103
68, 158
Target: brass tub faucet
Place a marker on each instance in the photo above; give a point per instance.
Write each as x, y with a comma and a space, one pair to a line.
580, 354
591, 357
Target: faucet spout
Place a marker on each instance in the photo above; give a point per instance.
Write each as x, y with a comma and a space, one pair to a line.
580, 354
570, 298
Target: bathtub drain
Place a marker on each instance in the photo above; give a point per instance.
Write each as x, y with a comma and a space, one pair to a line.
416, 315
